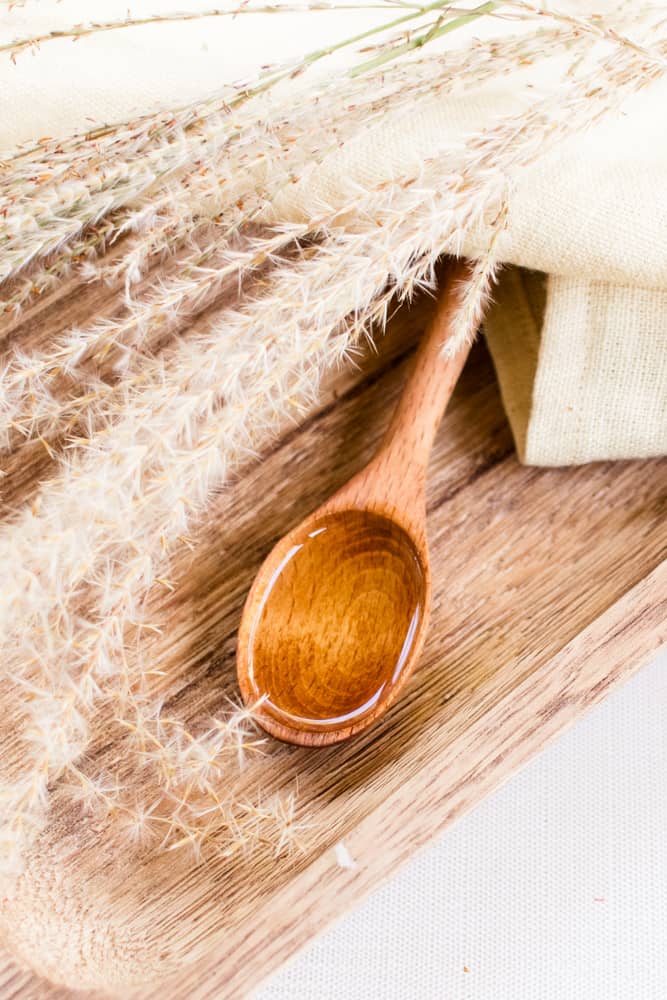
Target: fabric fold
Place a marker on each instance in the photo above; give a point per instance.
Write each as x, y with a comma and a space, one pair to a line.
582, 367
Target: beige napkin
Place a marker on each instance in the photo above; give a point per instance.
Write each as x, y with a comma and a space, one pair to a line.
580, 349
582, 366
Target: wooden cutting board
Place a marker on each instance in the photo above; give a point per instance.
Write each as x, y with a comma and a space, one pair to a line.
549, 589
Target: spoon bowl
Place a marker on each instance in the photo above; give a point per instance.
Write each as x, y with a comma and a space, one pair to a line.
337, 616
333, 625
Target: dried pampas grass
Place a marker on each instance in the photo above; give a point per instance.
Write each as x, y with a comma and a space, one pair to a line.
220, 323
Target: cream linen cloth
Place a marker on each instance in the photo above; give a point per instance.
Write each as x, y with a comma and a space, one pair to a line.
580, 348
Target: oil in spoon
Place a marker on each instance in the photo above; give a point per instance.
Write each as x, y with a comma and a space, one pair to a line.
337, 621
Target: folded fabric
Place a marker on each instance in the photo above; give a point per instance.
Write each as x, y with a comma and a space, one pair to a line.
581, 352
578, 329
582, 366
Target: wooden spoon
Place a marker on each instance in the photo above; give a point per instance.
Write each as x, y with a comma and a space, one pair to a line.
336, 617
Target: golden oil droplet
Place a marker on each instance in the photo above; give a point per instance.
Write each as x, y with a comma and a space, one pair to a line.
337, 621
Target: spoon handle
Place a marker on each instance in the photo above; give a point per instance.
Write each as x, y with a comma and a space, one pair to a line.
408, 439
394, 482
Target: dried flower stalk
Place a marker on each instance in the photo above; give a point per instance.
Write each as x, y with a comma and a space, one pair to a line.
28, 403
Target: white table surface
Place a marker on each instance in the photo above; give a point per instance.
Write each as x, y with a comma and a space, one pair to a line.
553, 888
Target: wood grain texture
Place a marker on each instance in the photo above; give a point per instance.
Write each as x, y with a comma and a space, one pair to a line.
336, 618
549, 588
332, 627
